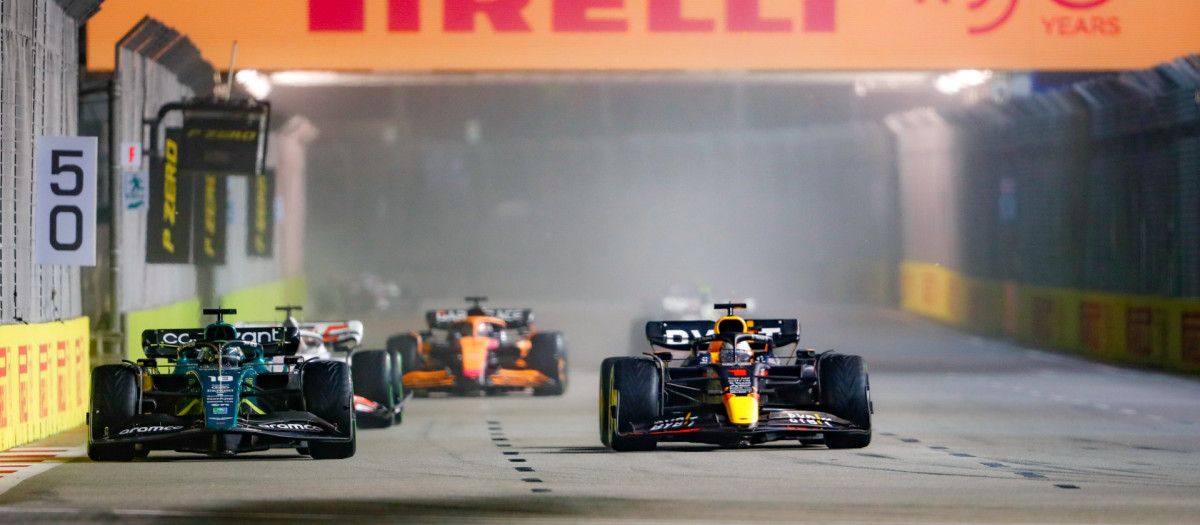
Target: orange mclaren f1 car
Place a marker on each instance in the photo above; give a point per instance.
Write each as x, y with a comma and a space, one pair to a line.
480, 350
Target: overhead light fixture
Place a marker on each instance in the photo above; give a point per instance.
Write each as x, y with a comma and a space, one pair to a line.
256, 84
953, 83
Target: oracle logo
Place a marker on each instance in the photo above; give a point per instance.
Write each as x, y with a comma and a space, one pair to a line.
1006, 9
573, 16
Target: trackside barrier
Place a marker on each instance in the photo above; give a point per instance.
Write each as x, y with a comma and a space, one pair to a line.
1143, 330
44, 379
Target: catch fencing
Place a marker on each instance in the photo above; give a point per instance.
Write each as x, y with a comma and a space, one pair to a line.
38, 91
1095, 186
1069, 219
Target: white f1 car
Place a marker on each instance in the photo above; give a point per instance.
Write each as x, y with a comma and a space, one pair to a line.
379, 395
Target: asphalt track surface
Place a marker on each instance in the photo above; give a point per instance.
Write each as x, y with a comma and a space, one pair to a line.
967, 430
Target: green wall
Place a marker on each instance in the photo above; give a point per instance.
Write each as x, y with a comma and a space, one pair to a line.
257, 304
184, 314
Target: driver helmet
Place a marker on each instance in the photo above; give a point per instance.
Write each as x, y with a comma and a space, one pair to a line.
232, 356
740, 353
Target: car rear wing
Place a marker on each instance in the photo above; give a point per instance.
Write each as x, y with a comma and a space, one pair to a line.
342, 336
514, 318
678, 335
274, 340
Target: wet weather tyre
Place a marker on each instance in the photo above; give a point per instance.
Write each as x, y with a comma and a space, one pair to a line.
635, 392
846, 393
404, 346
548, 355
114, 400
372, 373
329, 395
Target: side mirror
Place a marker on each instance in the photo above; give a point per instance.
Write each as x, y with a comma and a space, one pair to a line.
665, 356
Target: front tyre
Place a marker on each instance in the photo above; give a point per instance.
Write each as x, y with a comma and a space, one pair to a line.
114, 400
845, 392
633, 398
329, 395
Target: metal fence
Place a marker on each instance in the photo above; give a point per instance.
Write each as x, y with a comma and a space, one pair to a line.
1095, 186
38, 91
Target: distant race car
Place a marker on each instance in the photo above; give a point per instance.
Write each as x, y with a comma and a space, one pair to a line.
732, 390
482, 351
379, 395
216, 392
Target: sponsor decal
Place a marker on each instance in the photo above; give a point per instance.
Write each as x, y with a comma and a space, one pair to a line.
172, 338
150, 429
741, 385
808, 419
292, 427
683, 337
258, 335
674, 423
220, 410
507, 315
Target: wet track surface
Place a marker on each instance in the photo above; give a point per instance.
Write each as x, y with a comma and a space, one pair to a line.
966, 430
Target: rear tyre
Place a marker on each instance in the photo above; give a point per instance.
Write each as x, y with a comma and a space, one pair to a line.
114, 400
372, 373
635, 392
548, 355
329, 395
846, 393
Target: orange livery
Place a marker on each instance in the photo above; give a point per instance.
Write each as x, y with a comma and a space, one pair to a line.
481, 351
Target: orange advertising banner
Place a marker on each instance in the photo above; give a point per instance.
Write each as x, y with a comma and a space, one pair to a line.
658, 35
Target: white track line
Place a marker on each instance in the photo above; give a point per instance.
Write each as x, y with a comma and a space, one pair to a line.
27, 462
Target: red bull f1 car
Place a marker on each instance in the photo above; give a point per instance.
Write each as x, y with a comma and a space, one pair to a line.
731, 389
480, 350
215, 390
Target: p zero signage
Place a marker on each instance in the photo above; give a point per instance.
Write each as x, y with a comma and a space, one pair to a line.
649, 35
66, 201
222, 146
260, 216
208, 235
169, 223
